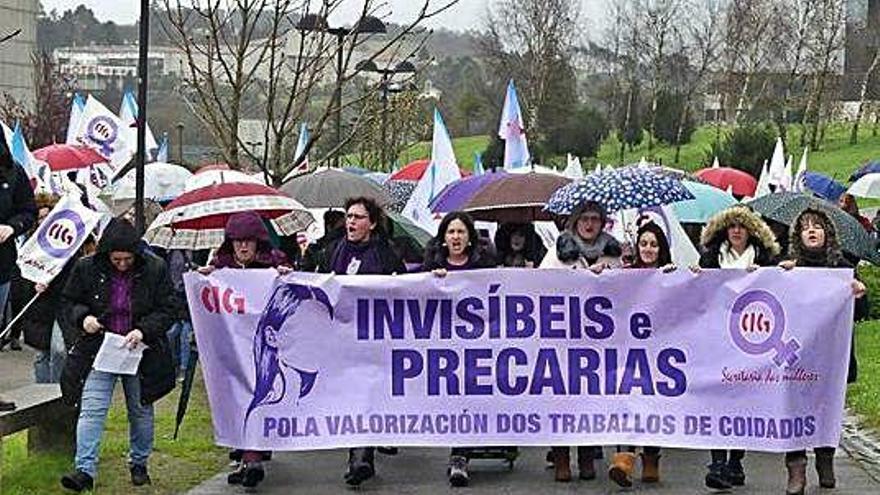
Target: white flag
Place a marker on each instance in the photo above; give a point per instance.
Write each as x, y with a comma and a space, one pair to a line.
44, 254
102, 130
763, 188
625, 224
442, 171
76, 112
128, 114
776, 172
798, 185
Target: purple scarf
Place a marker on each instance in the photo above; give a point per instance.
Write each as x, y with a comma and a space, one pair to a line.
365, 256
120, 303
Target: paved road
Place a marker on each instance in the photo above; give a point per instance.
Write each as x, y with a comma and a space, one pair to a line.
16, 368
421, 471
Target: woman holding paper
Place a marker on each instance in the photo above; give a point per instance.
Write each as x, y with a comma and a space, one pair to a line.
246, 246
734, 238
813, 243
126, 292
583, 245
456, 247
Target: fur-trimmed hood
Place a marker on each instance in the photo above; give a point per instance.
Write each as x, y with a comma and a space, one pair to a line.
715, 231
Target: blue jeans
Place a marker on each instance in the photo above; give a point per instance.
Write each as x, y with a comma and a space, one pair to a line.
48, 364
4, 298
96, 397
180, 336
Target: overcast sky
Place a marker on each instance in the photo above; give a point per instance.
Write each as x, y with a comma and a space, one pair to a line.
467, 14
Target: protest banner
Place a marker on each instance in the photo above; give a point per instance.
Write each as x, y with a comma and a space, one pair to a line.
722, 359
61, 234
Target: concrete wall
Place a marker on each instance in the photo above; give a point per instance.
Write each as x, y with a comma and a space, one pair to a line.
16, 68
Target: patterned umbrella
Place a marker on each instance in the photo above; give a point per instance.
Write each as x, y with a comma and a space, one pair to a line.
708, 200
196, 219
330, 188
723, 178
515, 198
784, 207
400, 192
619, 189
457, 194
218, 173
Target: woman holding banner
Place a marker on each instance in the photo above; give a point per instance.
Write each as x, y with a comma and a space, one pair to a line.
124, 291
457, 247
246, 246
583, 245
363, 250
734, 238
813, 243
651, 252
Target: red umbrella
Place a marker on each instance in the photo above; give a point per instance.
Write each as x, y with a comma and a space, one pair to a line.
195, 220
723, 178
415, 171
68, 156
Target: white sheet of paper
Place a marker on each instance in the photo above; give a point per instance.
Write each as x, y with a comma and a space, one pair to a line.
115, 357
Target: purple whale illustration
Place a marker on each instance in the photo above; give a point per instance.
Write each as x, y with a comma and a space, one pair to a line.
271, 382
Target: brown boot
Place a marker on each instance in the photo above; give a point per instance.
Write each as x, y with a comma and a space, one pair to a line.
797, 476
562, 464
825, 468
621, 470
650, 468
587, 469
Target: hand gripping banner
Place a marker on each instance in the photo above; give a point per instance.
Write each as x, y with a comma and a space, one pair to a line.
722, 359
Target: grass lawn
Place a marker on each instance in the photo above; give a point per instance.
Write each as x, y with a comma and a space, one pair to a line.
175, 466
864, 395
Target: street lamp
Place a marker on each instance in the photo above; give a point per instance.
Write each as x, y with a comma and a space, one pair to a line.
180, 127
365, 25
386, 87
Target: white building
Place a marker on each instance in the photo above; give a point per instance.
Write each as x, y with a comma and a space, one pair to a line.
98, 66
16, 67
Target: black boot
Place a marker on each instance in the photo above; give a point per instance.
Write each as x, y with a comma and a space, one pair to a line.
458, 471
253, 474
139, 476
716, 478
78, 481
825, 467
360, 466
736, 475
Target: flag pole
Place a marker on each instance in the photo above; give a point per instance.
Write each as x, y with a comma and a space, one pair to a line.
18, 316
141, 120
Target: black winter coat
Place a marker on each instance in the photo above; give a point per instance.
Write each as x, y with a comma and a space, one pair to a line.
18, 210
391, 262
88, 293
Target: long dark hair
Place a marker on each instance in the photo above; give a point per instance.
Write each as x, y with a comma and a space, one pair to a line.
436, 253
664, 257
533, 249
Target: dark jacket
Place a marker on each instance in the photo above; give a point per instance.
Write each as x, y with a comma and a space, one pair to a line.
435, 257
242, 226
152, 304
390, 261
317, 252
40, 318
17, 209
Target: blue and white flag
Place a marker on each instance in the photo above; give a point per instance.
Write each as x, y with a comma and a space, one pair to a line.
76, 111
512, 131
442, 171
128, 114
478, 164
162, 153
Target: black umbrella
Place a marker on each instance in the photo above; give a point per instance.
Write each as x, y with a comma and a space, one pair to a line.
784, 207
330, 188
186, 387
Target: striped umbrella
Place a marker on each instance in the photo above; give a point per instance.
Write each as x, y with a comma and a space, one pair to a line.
196, 219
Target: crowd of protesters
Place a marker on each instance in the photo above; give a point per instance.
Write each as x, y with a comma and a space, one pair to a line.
117, 284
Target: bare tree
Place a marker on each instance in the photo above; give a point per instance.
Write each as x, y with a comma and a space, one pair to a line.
45, 121
872, 36
658, 24
825, 47
526, 38
704, 44
797, 19
750, 28
273, 61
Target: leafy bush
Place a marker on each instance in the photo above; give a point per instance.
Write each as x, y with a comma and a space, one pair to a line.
670, 109
746, 148
580, 134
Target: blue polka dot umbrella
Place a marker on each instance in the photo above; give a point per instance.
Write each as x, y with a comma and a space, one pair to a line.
619, 189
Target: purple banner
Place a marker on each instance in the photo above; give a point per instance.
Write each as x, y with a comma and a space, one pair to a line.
722, 359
